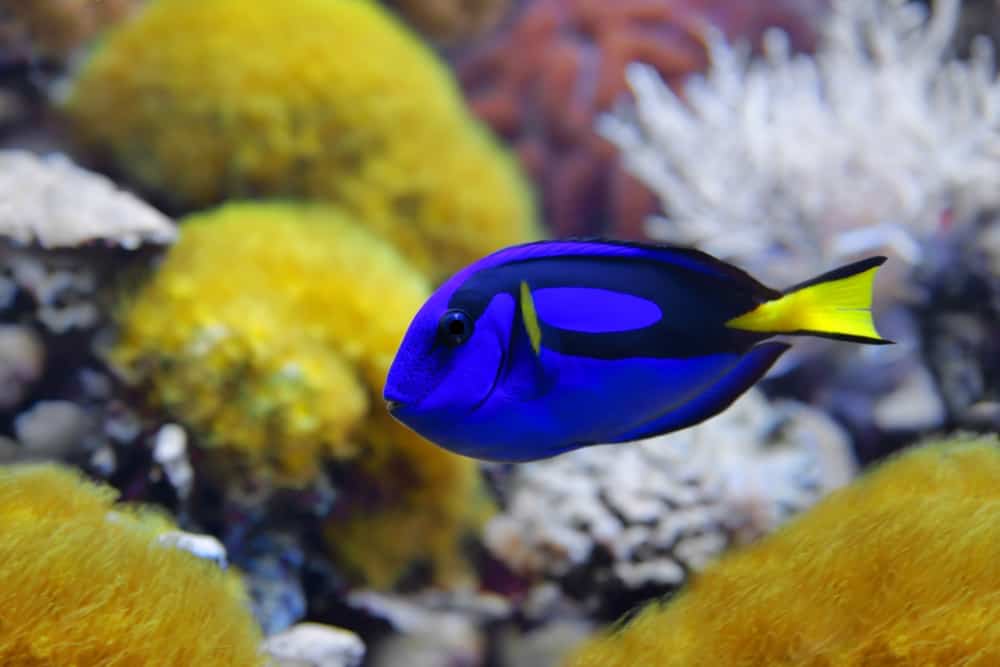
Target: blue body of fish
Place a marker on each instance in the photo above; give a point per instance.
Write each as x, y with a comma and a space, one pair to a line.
551, 346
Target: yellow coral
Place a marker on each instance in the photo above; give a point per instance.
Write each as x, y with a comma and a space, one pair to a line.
900, 568
206, 100
265, 328
86, 583
269, 329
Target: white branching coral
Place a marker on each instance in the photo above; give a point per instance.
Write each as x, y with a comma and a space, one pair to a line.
869, 144
603, 521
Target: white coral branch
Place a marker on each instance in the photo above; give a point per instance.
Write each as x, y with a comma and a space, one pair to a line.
865, 144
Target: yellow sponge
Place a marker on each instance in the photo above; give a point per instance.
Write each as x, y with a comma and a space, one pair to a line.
900, 568
87, 583
269, 329
207, 100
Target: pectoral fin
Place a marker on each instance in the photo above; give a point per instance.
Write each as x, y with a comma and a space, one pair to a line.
530, 317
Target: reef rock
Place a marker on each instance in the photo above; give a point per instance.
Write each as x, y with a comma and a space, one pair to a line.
205, 547
51, 429
431, 629
49, 208
51, 201
314, 645
546, 646
958, 313
272, 566
22, 361
66, 235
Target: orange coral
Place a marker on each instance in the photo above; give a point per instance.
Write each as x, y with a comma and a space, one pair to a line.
901, 568
542, 83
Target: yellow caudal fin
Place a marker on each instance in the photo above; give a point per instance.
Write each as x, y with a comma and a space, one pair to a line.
834, 305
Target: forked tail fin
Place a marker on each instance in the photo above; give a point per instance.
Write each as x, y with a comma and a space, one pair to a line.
836, 304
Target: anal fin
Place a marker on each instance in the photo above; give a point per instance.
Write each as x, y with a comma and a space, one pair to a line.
715, 399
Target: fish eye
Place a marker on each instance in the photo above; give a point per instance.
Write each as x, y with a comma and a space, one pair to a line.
455, 327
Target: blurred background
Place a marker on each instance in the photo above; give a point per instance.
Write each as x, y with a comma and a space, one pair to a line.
217, 218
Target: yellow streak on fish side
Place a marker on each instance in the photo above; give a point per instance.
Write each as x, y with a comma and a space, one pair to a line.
840, 306
530, 317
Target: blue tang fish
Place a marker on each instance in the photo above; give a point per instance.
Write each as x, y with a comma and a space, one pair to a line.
542, 348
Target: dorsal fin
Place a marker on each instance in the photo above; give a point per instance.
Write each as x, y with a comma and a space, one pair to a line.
678, 256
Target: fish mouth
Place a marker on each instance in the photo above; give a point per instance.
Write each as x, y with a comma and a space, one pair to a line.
397, 406
395, 401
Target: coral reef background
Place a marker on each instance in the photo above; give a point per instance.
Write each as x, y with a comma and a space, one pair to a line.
217, 218
543, 81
